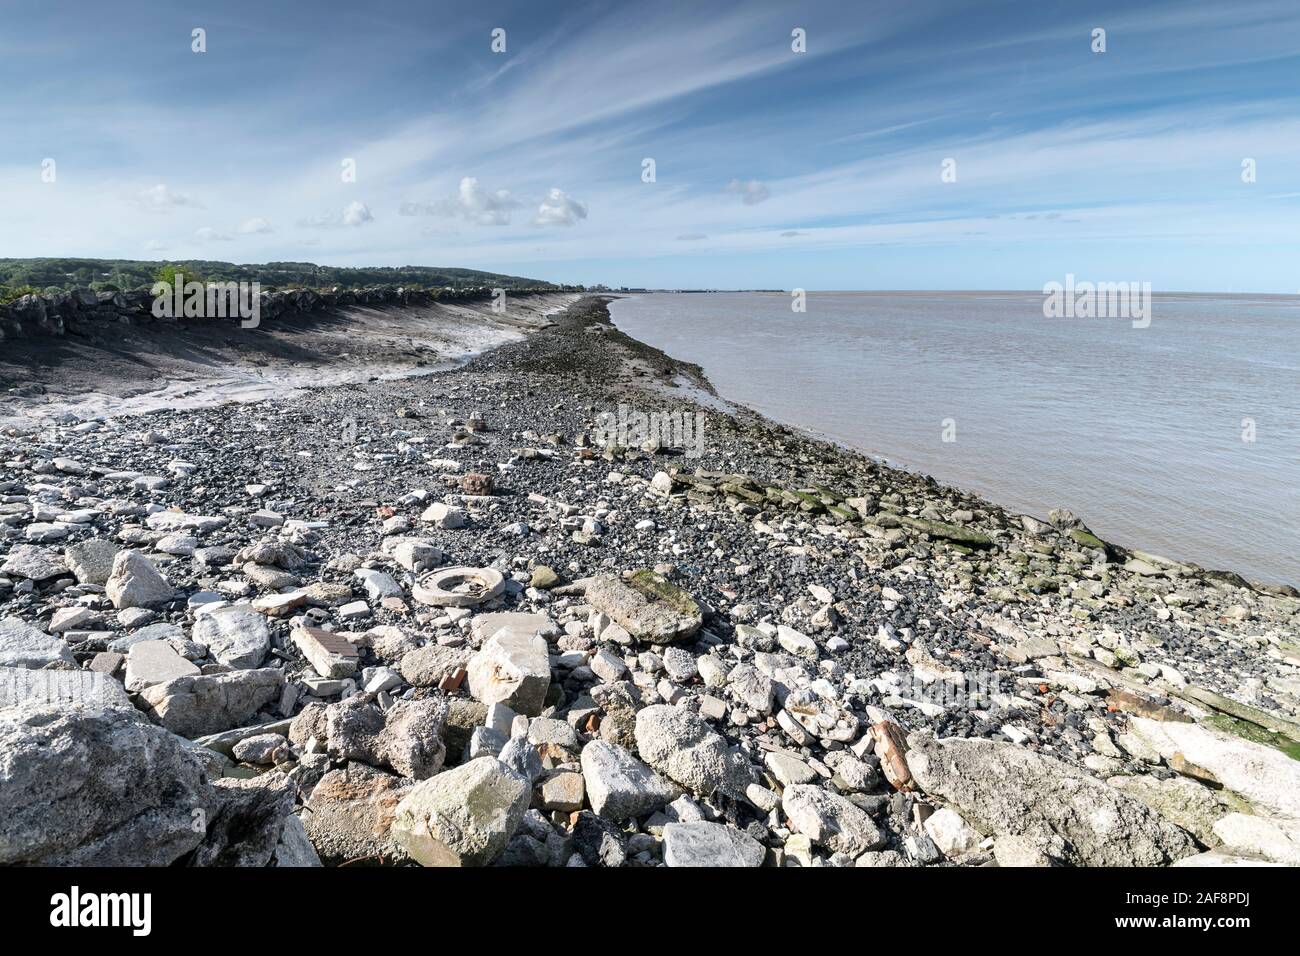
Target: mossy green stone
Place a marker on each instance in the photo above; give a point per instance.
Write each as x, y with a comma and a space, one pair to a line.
948, 532
1254, 733
828, 496
658, 588
743, 492
1087, 539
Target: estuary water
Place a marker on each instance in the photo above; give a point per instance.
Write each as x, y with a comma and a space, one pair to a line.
1181, 438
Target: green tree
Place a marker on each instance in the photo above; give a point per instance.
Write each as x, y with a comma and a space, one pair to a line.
169, 272
10, 293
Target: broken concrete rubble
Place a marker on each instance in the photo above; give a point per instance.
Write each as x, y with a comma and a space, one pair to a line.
463, 817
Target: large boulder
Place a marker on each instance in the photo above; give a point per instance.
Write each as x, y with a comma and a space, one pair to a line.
349, 814
1274, 839
619, 786
830, 820
513, 668
704, 844
22, 645
209, 704
429, 666
248, 823
1268, 778
236, 636
295, 848
407, 738
33, 563
463, 817
155, 662
597, 841
647, 605
1005, 790
1180, 800
135, 582
96, 787
681, 745
92, 561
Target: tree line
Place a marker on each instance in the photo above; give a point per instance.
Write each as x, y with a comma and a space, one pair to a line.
19, 277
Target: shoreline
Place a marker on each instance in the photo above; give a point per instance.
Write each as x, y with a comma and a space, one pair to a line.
820, 617
199, 389
1167, 535
672, 377
700, 379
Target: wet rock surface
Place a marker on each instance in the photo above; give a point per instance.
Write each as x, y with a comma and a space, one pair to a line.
441, 615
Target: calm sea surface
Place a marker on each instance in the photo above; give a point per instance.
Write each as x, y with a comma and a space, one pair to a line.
1138, 431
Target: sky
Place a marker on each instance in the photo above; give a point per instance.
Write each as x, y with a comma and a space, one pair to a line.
916, 145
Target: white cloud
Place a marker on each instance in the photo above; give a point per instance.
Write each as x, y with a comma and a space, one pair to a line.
559, 209
751, 193
691, 237
208, 234
161, 198
472, 203
355, 213
155, 245
255, 226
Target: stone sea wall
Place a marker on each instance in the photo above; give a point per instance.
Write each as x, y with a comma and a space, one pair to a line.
57, 314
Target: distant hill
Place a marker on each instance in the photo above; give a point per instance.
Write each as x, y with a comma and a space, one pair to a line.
50, 275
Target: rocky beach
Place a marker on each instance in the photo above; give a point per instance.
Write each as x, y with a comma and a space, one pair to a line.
452, 620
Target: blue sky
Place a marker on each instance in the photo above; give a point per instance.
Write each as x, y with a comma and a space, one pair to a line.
774, 169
